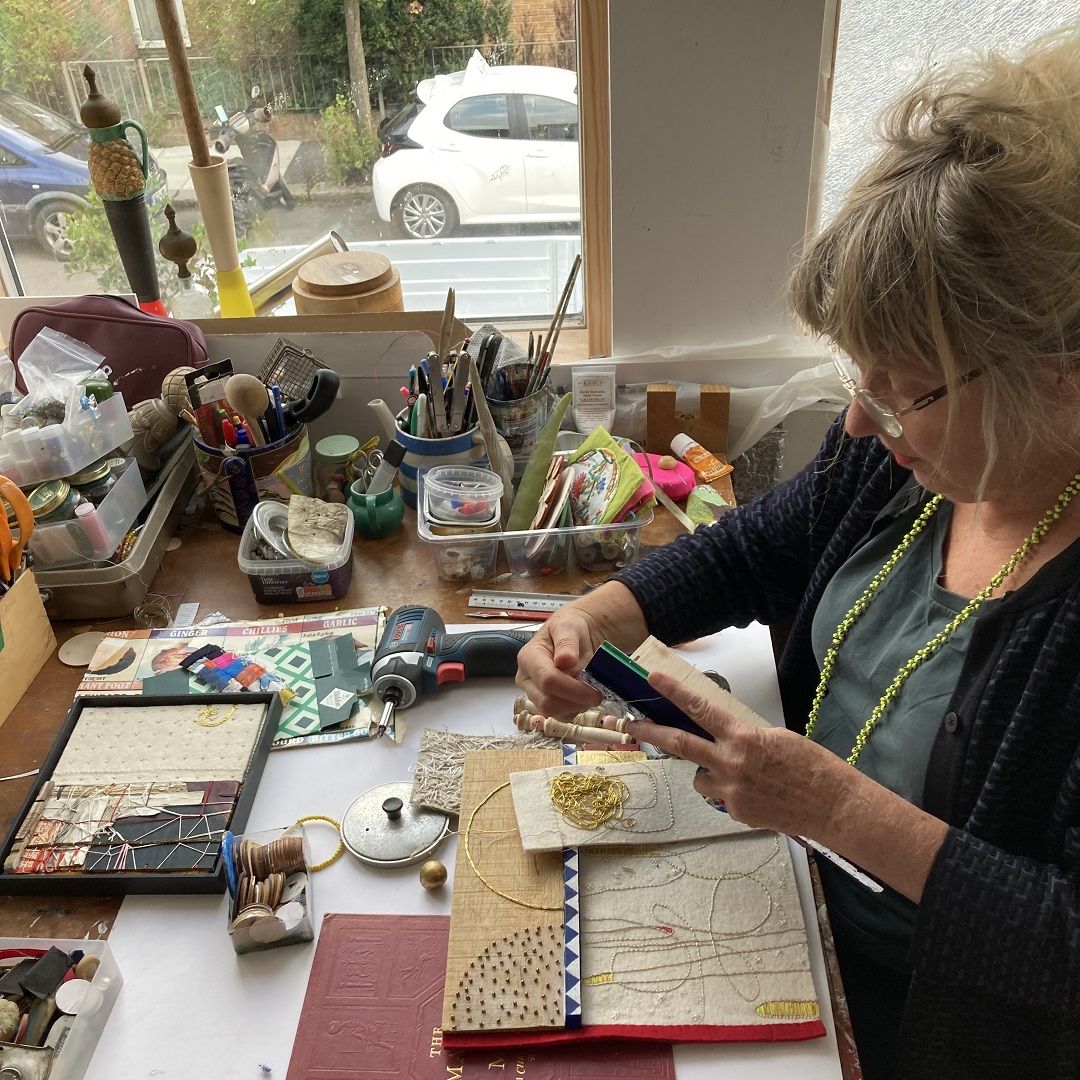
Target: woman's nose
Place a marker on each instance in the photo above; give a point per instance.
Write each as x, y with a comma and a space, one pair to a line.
859, 422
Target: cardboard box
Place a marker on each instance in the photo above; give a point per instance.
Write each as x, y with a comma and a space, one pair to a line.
26, 640
372, 353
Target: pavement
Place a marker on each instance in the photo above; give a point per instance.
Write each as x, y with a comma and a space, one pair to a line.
302, 164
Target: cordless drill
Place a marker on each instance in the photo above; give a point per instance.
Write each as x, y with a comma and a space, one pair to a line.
416, 655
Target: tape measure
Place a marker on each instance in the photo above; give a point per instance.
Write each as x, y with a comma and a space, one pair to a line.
519, 601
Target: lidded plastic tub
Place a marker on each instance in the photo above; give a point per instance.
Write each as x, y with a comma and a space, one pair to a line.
277, 581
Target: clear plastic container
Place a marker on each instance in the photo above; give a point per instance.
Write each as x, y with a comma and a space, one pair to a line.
101, 592
276, 581
34, 455
463, 556
536, 552
461, 495
74, 1057
78, 541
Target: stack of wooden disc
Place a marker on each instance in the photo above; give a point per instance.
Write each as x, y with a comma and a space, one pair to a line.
346, 282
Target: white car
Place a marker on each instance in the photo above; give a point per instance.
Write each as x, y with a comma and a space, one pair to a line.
487, 145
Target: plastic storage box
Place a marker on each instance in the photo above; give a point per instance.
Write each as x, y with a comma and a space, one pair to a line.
46, 453
75, 1053
109, 591
67, 542
537, 552
295, 581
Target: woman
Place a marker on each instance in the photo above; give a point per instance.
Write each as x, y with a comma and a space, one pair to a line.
929, 564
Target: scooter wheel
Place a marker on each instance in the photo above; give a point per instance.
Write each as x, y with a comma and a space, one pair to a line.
286, 196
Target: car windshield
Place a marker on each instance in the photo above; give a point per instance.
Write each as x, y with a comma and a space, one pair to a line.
49, 128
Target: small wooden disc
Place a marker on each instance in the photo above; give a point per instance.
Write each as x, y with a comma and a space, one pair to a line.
345, 273
79, 650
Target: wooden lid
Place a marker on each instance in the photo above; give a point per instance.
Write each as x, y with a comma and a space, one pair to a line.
345, 273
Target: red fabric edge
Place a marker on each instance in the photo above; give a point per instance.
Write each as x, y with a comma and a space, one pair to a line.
699, 1033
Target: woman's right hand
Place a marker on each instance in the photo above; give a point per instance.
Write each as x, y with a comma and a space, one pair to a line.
549, 664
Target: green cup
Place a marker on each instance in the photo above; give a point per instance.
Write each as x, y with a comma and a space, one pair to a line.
375, 515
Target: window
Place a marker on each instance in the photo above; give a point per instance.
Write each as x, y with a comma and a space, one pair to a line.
8, 160
550, 118
486, 117
148, 29
451, 163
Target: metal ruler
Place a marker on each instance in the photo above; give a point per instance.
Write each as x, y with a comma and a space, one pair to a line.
505, 600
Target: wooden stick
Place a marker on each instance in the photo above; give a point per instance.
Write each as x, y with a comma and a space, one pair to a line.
576, 733
446, 330
185, 86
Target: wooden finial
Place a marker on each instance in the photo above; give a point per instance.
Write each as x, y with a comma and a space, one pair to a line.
97, 111
176, 245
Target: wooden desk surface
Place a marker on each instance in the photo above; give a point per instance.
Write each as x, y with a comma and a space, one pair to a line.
399, 569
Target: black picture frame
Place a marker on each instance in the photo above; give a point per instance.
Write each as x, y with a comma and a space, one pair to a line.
81, 883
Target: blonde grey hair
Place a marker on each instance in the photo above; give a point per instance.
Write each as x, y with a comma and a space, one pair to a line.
959, 247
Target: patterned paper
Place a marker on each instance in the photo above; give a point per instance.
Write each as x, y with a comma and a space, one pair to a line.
128, 662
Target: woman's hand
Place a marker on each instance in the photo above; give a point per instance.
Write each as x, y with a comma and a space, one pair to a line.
772, 778
768, 778
549, 664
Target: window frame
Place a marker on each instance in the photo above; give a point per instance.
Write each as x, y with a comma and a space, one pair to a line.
594, 148
143, 42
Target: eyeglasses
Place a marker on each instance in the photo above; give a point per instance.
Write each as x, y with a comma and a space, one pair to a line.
888, 419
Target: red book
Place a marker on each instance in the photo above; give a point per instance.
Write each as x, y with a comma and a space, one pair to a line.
374, 1005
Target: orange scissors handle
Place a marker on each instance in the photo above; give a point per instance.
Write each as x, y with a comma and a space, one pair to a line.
12, 549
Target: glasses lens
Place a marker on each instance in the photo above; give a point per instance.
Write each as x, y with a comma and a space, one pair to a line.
882, 415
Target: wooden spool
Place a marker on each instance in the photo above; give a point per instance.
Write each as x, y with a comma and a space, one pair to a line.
345, 282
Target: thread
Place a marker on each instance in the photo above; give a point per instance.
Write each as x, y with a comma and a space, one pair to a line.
588, 800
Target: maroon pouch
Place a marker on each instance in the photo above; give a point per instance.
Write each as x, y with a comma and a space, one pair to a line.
140, 349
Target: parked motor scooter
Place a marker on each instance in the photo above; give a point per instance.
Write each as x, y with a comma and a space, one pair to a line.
255, 178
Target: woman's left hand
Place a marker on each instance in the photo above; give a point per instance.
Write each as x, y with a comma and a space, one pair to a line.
768, 778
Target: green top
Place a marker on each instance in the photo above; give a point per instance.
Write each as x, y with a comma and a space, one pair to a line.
337, 448
909, 610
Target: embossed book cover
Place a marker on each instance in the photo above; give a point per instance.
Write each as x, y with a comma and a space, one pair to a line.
374, 1004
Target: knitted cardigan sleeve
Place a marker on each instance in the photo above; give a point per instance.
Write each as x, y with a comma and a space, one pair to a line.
756, 562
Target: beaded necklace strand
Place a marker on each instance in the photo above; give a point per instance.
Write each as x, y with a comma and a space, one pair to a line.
943, 635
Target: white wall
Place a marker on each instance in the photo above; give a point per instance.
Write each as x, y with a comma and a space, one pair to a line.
713, 106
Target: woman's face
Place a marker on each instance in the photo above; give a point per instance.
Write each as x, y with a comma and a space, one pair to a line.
952, 466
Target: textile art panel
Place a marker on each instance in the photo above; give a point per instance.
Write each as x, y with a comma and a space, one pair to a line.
118, 827
683, 940
649, 802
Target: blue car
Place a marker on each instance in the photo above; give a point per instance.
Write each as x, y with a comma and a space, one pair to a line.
44, 175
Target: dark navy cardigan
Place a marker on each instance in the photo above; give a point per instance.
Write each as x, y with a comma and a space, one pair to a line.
995, 989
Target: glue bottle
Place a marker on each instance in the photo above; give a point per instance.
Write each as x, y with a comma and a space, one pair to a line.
706, 467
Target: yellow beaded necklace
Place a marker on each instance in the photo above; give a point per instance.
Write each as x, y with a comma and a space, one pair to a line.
943, 635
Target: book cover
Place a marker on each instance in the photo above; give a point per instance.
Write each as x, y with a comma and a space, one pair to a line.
625, 683
373, 1009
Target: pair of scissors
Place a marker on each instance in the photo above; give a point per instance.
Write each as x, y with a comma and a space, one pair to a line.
363, 464
11, 550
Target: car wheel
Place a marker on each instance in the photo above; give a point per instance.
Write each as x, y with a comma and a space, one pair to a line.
247, 206
50, 229
425, 213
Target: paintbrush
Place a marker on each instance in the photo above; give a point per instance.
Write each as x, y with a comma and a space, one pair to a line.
446, 332
547, 346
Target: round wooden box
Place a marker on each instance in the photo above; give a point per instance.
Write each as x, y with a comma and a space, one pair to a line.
346, 282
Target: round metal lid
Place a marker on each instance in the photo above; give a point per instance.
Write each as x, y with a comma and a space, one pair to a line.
47, 497
382, 828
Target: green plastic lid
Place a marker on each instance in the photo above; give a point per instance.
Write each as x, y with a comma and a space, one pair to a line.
337, 448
